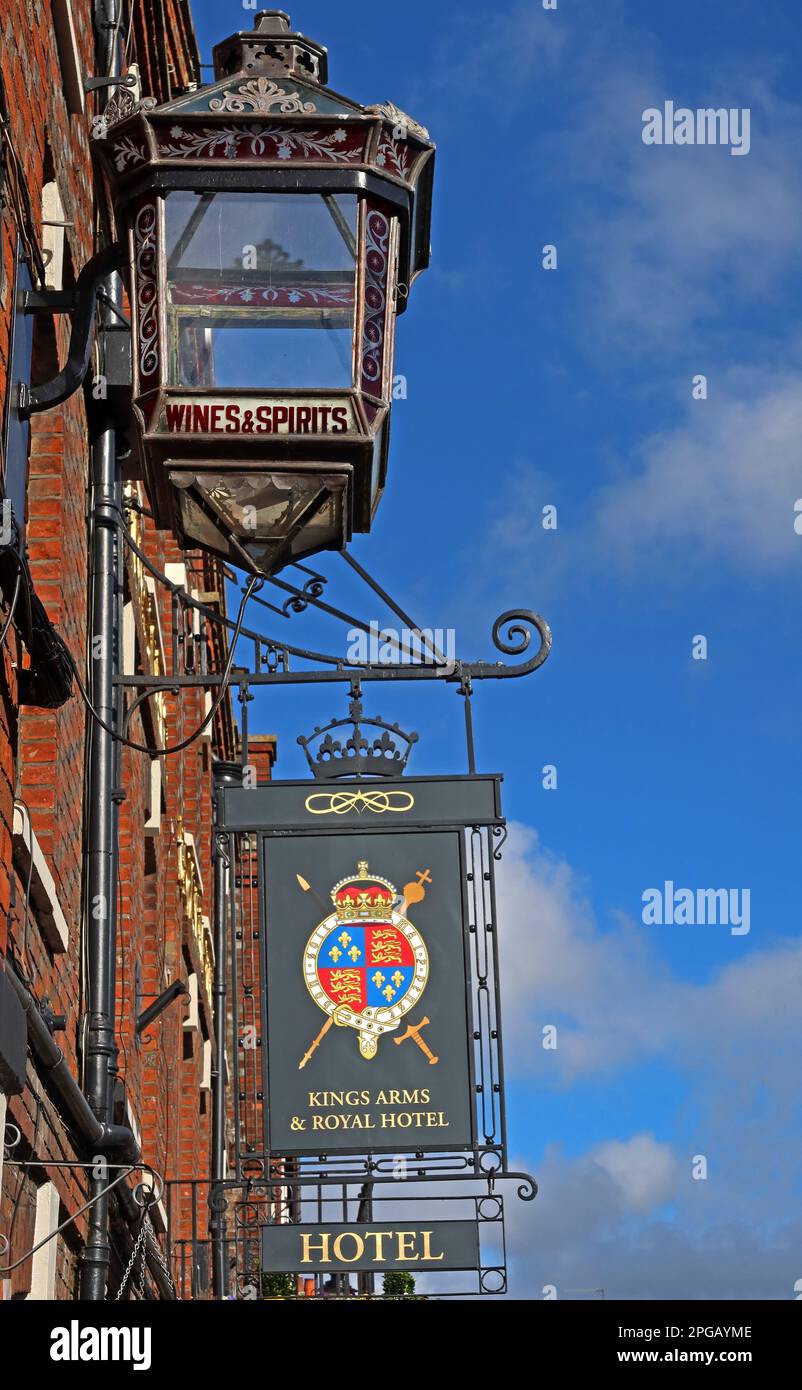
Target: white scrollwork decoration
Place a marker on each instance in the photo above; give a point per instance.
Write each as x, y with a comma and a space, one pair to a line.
127, 151
247, 294
272, 142
147, 296
376, 251
341, 802
262, 95
394, 155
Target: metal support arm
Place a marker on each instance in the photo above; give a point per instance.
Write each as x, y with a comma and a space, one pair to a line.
148, 1015
33, 399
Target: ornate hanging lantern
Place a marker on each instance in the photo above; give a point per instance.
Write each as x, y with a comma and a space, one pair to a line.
274, 230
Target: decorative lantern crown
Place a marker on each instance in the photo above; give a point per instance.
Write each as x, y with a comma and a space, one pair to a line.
366, 897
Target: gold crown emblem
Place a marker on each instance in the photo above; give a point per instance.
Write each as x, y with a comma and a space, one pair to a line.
361, 897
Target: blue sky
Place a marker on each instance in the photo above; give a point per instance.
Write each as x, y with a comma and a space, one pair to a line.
675, 518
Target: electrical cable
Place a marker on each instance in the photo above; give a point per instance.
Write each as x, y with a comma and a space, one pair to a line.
119, 1021
24, 587
254, 582
18, 189
12, 607
132, 9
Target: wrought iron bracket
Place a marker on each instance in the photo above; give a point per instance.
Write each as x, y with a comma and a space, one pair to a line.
176, 990
80, 304
47, 301
94, 84
144, 1196
273, 661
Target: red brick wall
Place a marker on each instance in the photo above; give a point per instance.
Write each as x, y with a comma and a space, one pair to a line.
42, 753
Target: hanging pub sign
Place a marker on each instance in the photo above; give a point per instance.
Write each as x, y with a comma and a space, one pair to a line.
370, 964
366, 999
360, 998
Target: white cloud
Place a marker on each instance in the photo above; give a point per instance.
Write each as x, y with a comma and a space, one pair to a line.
627, 1215
668, 237
718, 488
580, 1234
691, 230
490, 55
613, 998
644, 1170
721, 485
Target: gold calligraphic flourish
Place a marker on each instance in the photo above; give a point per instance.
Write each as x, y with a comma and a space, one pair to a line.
341, 802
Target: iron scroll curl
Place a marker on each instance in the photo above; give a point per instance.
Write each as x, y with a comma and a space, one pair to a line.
512, 635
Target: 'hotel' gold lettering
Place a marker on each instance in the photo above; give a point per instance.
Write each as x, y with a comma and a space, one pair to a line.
403, 1247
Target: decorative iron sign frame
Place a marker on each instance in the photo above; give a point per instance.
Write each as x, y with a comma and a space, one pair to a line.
481, 1215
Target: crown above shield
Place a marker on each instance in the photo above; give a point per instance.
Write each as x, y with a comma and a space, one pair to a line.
364, 897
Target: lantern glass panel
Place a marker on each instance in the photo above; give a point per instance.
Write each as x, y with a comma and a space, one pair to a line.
261, 289
261, 511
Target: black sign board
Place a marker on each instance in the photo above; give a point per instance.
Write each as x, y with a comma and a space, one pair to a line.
369, 1035
414, 1246
321, 806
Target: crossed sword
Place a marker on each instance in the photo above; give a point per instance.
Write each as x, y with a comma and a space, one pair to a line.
413, 893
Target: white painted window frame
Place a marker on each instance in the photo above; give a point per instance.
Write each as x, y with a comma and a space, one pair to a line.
43, 1261
45, 907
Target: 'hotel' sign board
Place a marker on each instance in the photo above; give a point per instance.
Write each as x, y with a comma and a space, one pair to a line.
370, 1245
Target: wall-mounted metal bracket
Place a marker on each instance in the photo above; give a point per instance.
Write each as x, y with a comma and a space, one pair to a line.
32, 399
94, 84
47, 301
173, 991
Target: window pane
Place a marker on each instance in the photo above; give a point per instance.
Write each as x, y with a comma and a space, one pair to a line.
266, 354
262, 289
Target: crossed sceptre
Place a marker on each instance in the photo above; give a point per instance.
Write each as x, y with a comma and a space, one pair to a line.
413, 893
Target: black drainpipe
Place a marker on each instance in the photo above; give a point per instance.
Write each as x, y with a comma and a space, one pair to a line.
100, 1055
95, 1136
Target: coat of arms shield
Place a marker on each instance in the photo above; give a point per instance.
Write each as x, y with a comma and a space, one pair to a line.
365, 964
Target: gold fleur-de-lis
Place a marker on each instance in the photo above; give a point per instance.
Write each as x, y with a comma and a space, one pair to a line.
388, 993
335, 953
343, 938
397, 979
378, 978
355, 953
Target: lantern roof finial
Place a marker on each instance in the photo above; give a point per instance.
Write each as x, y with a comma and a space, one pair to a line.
272, 22
271, 49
